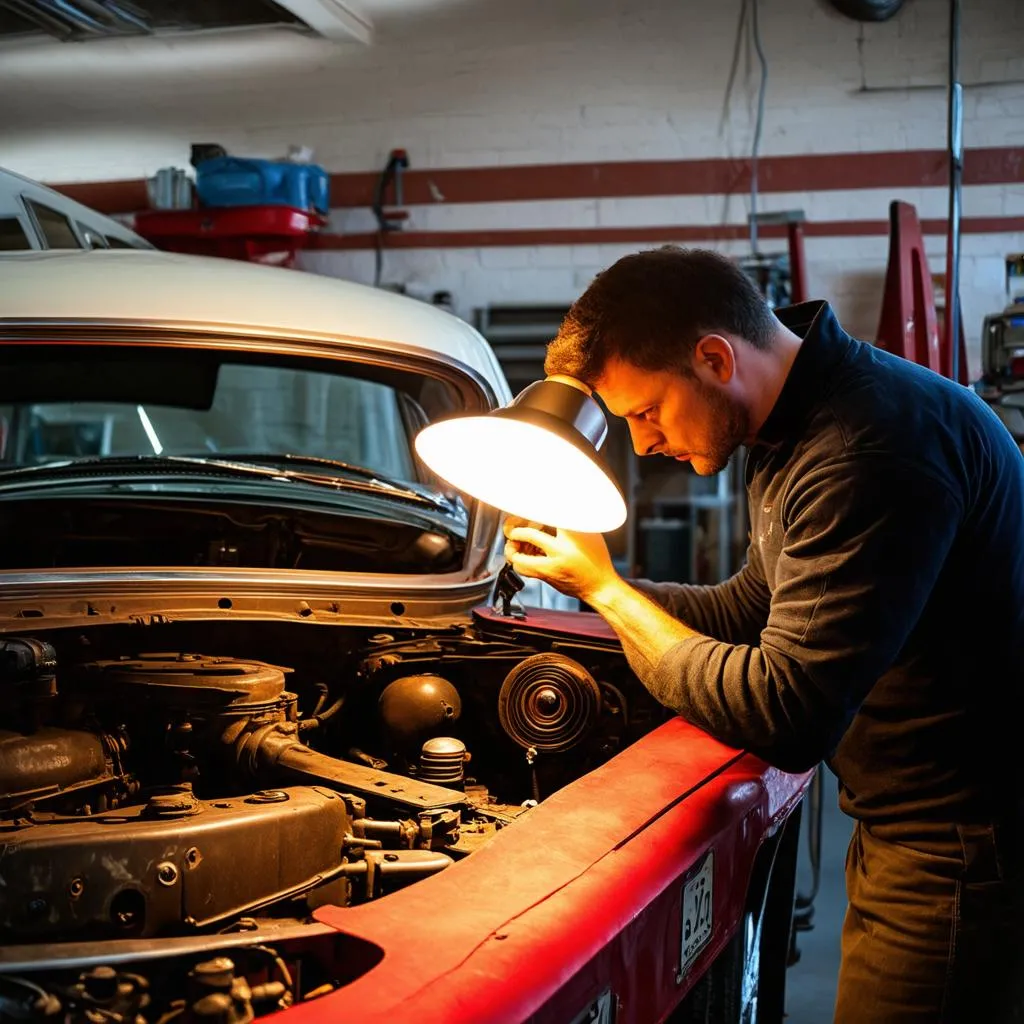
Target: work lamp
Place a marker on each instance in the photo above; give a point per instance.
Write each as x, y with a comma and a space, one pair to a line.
535, 458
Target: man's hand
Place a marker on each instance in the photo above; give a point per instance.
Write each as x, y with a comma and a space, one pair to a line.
577, 564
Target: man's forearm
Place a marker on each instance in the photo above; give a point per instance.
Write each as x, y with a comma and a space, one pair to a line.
735, 610
646, 630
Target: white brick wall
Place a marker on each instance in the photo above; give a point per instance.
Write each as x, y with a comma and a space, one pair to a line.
542, 81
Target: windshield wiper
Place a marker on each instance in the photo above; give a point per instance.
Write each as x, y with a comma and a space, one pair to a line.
214, 467
285, 458
401, 487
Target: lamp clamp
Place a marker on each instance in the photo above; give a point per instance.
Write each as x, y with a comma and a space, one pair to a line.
507, 585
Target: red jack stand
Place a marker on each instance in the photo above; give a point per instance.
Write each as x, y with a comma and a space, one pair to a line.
908, 326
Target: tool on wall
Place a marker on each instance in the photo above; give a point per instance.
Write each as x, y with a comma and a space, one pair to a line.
392, 218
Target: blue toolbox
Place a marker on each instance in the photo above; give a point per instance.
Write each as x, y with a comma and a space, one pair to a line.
242, 181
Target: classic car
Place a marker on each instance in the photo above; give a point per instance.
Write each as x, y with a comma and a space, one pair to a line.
269, 743
33, 216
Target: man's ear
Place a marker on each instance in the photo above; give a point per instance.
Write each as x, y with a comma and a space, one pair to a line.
714, 359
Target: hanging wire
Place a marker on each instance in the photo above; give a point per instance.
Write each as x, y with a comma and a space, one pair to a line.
758, 124
378, 256
741, 24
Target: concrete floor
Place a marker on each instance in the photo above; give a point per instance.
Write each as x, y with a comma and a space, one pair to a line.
811, 983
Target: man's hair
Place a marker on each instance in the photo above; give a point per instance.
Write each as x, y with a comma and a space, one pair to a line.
651, 308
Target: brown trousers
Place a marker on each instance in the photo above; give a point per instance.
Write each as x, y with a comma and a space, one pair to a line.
934, 932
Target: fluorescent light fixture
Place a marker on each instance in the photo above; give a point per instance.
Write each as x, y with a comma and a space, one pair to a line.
534, 458
337, 20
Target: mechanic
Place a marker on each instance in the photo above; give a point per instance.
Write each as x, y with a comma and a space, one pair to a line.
877, 624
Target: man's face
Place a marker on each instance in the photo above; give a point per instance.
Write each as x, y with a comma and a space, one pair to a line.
682, 417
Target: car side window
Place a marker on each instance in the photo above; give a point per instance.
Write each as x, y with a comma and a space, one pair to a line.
6, 418
92, 238
119, 243
12, 235
55, 228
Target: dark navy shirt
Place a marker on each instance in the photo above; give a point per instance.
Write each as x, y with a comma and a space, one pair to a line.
878, 622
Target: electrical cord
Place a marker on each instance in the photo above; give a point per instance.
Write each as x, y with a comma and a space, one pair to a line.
398, 161
741, 24
378, 256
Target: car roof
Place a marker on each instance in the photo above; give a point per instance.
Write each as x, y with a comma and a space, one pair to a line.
15, 187
153, 287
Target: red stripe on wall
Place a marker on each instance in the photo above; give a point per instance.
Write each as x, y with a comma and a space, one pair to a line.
679, 233
814, 173
108, 196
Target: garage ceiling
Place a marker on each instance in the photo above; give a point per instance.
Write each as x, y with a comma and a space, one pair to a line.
84, 20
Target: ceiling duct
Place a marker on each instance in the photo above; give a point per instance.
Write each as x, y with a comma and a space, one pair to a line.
339, 20
70, 21
84, 20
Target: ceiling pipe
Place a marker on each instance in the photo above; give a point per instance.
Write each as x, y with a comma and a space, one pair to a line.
67, 21
68, 12
117, 21
55, 27
127, 15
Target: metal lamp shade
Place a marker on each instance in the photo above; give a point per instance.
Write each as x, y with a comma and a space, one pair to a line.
535, 458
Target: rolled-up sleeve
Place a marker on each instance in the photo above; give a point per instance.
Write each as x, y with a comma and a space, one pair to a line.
865, 539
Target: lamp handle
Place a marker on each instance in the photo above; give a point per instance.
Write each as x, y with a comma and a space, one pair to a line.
509, 582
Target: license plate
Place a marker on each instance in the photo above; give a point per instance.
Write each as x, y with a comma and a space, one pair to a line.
698, 902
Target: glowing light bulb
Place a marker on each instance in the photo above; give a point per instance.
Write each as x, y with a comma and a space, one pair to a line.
534, 459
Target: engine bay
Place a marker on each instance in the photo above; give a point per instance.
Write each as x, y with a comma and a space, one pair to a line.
177, 799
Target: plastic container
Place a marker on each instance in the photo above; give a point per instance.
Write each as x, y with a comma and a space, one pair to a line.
169, 189
243, 181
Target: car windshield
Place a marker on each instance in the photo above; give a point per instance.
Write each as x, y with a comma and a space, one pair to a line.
72, 402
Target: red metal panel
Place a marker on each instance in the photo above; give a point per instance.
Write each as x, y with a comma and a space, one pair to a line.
250, 233
797, 263
908, 326
227, 222
587, 625
583, 892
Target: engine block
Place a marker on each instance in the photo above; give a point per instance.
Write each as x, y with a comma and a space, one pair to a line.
173, 863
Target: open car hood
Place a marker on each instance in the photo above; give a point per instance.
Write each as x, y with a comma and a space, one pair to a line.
71, 303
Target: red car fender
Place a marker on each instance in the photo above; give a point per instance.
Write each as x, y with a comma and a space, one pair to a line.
582, 894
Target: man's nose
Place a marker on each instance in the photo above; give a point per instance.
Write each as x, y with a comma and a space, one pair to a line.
645, 437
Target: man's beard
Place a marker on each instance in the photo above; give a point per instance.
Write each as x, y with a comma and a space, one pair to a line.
731, 427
